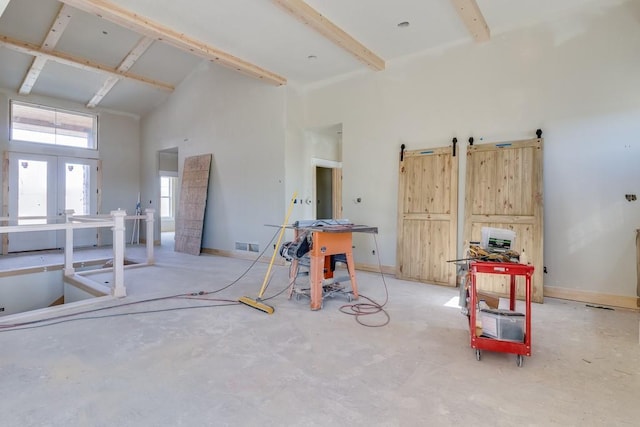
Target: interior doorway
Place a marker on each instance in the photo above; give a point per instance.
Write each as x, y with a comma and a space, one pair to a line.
324, 194
327, 189
324, 148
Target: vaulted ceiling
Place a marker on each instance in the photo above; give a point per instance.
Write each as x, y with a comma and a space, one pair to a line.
129, 55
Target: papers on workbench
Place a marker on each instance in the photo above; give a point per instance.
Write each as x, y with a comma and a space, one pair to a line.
497, 239
320, 222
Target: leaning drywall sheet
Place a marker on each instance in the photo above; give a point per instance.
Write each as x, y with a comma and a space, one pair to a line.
192, 204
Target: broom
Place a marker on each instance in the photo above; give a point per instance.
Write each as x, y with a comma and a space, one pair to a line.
257, 303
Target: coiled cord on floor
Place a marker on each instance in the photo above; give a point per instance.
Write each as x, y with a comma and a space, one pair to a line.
361, 309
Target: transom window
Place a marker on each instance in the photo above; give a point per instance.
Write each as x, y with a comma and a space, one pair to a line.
45, 125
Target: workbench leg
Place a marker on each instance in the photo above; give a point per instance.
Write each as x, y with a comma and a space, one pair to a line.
293, 272
316, 275
352, 274
512, 294
328, 271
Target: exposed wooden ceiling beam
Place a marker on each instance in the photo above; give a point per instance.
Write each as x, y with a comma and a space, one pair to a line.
103, 91
49, 43
126, 18
85, 64
32, 75
57, 28
140, 48
472, 17
328, 29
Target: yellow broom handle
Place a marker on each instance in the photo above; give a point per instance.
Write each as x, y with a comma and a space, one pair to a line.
273, 257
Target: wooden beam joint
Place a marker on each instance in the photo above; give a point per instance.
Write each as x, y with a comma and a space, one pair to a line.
473, 19
142, 25
85, 64
311, 17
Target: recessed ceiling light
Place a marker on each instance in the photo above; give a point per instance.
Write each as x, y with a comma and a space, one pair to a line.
403, 24
312, 57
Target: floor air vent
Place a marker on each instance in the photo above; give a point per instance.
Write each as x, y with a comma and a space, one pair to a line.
247, 247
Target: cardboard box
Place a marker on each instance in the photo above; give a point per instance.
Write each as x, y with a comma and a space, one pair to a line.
504, 325
491, 300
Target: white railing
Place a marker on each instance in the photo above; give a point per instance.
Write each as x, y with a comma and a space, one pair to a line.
116, 220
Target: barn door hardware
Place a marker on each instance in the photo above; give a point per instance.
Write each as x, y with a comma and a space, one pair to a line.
402, 147
455, 142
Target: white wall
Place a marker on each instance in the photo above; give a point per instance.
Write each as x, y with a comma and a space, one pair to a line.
119, 146
32, 291
577, 78
239, 120
297, 161
305, 147
74, 294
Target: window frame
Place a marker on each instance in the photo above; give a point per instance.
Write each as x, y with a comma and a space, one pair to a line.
93, 117
171, 197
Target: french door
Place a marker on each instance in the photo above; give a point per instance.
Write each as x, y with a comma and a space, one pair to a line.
41, 188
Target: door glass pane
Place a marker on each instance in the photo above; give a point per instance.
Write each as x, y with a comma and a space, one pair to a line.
77, 188
32, 191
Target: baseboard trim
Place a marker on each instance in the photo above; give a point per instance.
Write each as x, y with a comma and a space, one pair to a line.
241, 255
143, 241
590, 297
374, 268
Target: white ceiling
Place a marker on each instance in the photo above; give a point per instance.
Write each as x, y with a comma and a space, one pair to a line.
257, 31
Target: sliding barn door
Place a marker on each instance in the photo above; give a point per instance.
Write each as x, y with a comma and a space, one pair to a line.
504, 190
427, 216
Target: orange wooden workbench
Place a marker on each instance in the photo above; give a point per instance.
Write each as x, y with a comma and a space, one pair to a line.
328, 240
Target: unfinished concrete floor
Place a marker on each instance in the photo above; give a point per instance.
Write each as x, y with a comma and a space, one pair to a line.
236, 366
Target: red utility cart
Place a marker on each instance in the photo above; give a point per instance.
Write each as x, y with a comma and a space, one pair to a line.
492, 344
